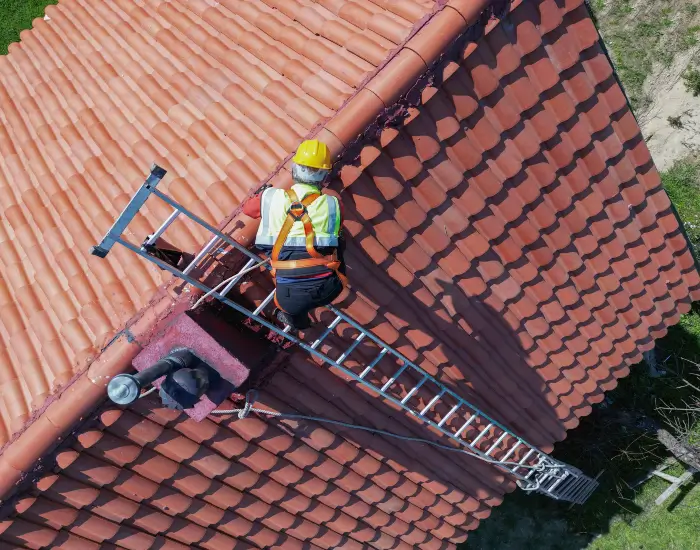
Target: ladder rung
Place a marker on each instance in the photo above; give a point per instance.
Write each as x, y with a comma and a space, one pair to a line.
414, 390
153, 238
522, 460
391, 380
497, 443
325, 334
579, 495
373, 363
201, 254
352, 347
511, 451
432, 402
447, 416
264, 303
465, 425
590, 487
481, 434
237, 278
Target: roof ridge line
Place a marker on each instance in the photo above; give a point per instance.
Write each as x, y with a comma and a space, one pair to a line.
421, 49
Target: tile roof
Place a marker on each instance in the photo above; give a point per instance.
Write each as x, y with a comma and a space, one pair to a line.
533, 281
217, 92
509, 233
149, 478
512, 235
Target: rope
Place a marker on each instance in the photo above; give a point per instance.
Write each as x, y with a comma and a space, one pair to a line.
251, 397
147, 392
225, 282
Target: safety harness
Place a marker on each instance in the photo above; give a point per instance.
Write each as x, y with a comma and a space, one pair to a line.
298, 212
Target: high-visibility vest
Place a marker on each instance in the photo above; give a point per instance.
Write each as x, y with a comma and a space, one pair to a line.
297, 204
324, 213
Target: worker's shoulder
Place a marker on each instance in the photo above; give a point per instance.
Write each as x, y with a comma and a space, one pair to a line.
331, 193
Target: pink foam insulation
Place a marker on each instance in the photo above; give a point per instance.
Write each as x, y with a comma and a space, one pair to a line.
186, 333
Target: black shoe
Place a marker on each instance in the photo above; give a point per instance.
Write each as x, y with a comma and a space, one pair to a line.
297, 322
284, 318
302, 322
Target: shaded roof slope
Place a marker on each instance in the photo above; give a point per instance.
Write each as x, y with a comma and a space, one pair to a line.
148, 478
512, 234
218, 93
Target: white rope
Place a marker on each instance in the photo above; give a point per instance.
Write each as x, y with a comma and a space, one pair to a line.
251, 397
147, 392
225, 282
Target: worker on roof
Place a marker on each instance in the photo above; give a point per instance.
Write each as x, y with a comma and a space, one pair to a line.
301, 230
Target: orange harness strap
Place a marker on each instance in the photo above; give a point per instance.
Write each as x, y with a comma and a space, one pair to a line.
297, 212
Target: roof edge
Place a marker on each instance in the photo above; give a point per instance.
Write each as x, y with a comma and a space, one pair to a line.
47, 429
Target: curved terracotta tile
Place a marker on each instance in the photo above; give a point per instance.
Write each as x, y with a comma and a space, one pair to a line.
406, 66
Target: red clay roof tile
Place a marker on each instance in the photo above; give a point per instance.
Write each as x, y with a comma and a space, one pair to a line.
93, 96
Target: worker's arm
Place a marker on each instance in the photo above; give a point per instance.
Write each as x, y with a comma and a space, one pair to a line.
251, 207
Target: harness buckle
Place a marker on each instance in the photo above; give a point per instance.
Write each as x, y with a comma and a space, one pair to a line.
297, 211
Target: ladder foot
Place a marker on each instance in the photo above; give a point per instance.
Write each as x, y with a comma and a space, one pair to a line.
99, 252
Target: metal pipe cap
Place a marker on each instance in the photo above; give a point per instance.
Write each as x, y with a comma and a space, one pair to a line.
124, 389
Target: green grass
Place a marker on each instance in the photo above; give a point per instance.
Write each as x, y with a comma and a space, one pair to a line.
671, 526
690, 37
17, 15
691, 79
668, 527
597, 6
639, 39
682, 182
617, 441
616, 517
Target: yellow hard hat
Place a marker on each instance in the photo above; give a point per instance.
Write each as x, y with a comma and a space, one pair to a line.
313, 153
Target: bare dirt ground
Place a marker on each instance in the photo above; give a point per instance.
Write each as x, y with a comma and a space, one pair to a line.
653, 43
671, 122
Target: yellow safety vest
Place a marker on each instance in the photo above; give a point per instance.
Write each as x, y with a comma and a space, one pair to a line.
324, 213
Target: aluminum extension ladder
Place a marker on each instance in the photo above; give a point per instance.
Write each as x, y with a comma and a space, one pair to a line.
533, 470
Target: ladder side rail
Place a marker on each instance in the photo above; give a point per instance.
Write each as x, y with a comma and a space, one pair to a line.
122, 222
149, 188
228, 240
422, 374
431, 378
